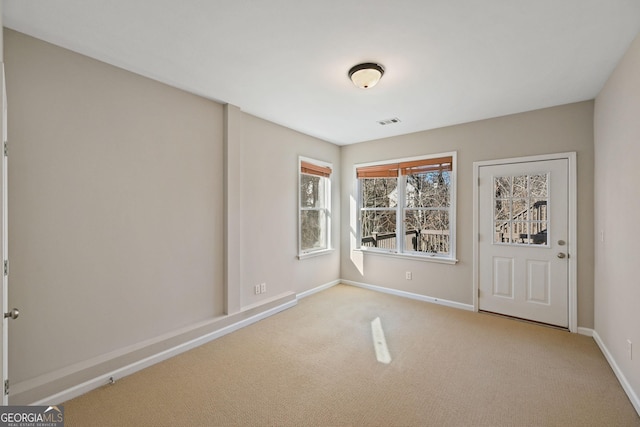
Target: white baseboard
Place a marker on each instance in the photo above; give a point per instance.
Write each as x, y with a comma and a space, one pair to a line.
633, 396
318, 289
588, 332
411, 295
101, 380
214, 329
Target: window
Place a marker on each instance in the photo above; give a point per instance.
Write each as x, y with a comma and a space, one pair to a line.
520, 209
408, 206
314, 207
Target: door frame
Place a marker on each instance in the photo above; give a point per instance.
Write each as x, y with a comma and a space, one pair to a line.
572, 245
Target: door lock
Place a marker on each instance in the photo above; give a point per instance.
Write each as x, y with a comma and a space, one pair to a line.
562, 255
13, 314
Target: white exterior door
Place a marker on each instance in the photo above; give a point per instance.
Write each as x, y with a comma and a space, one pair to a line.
523, 224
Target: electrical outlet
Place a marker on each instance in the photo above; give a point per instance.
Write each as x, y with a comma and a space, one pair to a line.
630, 348
256, 289
263, 288
408, 275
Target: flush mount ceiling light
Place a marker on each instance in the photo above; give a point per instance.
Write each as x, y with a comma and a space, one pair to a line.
366, 75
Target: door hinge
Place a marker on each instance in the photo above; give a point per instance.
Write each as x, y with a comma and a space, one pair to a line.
6, 267
478, 292
5, 149
6, 387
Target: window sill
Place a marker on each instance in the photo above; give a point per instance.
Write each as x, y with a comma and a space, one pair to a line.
426, 258
314, 254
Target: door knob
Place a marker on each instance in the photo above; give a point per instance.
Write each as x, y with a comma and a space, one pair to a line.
13, 314
562, 255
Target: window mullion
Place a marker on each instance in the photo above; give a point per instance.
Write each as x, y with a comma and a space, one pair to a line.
400, 212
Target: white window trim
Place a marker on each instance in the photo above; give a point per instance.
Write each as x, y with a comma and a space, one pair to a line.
451, 258
329, 249
313, 254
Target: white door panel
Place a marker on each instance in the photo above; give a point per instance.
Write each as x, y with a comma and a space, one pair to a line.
538, 282
503, 277
523, 225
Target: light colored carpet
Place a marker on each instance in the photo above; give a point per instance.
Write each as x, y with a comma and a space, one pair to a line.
315, 364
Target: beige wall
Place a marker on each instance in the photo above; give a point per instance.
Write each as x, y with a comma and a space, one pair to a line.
617, 207
117, 216
553, 130
114, 194
270, 211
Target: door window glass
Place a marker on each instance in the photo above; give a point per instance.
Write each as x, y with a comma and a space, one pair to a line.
520, 206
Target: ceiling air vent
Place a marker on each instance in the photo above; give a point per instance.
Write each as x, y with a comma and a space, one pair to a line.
389, 121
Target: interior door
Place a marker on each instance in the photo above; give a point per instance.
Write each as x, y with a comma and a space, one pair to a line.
523, 225
4, 388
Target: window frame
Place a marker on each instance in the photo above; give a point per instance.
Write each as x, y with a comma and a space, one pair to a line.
307, 253
400, 208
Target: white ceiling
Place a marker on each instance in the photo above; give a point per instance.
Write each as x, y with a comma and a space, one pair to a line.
446, 61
